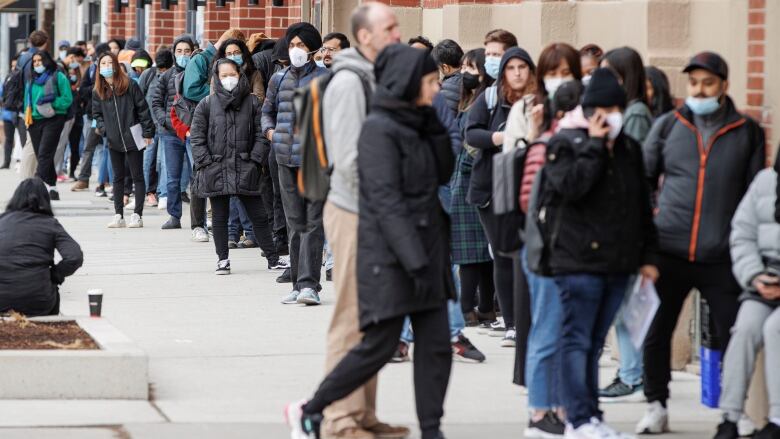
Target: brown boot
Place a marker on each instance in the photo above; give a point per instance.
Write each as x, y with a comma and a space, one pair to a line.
386, 431
80, 186
350, 433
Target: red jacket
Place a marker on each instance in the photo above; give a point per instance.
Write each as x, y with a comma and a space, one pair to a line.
180, 127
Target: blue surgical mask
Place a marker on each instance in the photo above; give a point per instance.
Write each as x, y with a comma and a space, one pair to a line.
320, 63
182, 60
238, 59
703, 106
39, 69
73, 78
107, 72
74, 65
492, 66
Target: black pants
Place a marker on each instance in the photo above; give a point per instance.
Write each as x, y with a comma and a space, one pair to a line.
75, 139
432, 364
93, 140
21, 127
678, 277
305, 231
198, 212
9, 128
503, 277
477, 278
522, 315
220, 212
154, 177
135, 159
280, 219
45, 135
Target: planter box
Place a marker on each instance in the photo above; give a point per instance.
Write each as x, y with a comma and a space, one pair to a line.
118, 370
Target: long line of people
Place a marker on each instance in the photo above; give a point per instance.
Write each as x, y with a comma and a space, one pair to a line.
614, 183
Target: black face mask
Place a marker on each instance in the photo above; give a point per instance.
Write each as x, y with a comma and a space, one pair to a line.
470, 81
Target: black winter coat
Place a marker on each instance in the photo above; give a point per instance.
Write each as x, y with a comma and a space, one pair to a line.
403, 156
28, 274
227, 143
115, 115
703, 184
162, 100
601, 211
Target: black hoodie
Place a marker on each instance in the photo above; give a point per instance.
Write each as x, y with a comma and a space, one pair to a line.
162, 96
482, 123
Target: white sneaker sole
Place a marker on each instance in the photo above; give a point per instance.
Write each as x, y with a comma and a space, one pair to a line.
135, 226
308, 302
292, 418
634, 397
508, 343
533, 432
222, 272
654, 429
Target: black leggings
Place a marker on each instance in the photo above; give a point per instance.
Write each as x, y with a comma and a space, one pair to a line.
477, 278
10, 130
45, 135
74, 139
432, 365
220, 212
135, 160
504, 281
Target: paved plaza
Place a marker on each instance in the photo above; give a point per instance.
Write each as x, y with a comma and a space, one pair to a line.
225, 356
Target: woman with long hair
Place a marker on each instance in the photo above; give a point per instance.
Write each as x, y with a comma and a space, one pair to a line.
227, 149
469, 243
238, 52
122, 114
659, 95
47, 100
75, 77
29, 280
627, 64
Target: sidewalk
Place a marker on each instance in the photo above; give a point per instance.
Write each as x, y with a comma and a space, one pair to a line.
226, 356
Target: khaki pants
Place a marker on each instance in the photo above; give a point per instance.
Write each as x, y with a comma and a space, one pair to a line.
357, 409
29, 160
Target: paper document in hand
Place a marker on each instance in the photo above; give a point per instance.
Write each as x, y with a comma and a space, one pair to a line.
639, 310
138, 136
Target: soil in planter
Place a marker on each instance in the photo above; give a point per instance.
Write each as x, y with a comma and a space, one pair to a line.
26, 335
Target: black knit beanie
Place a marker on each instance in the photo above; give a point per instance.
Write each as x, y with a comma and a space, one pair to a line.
604, 90
307, 33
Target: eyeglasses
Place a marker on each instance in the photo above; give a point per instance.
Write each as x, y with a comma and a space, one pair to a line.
237, 52
329, 49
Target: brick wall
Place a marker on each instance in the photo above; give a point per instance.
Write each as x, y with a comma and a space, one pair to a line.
756, 107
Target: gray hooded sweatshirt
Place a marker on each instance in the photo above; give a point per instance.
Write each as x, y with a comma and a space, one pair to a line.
344, 110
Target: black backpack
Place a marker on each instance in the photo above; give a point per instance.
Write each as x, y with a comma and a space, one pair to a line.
13, 90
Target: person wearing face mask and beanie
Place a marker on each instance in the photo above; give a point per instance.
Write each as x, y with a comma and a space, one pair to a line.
599, 202
227, 149
306, 236
708, 153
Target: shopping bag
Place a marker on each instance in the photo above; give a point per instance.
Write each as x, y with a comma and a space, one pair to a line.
639, 310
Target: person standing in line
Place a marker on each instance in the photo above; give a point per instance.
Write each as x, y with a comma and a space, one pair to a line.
29, 281
304, 217
175, 149
227, 149
708, 154
332, 44
75, 75
598, 202
627, 65
659, 96
755, 250
47, 102
9, 117
590, 59
403, 257
119, 107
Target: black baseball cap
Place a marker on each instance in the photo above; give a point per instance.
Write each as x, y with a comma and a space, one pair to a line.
710, 61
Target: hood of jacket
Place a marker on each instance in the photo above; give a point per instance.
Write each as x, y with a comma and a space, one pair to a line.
399, 70
510, 54
353, 60
232, 98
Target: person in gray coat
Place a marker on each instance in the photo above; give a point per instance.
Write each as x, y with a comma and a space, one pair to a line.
755, 250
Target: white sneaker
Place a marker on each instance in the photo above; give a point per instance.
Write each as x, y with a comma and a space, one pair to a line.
745, 426
135, 221
655, 420
611, 431
130, 205
162, 203
223, 267
509, 338
592, 430
199, 234
117, 223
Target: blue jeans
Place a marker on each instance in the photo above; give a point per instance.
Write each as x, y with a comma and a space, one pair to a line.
328, 257
543, 359
589, 303
176, 156
162, 172
105, 172
149, 153
457, 323
631, 359
238, 216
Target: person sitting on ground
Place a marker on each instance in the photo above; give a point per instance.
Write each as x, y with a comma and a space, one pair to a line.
755, 250
29, 281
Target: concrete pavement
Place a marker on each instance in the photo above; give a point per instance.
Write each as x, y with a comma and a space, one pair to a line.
225, 355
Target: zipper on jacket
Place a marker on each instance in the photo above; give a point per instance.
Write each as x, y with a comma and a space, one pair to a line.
704, 154
119, 124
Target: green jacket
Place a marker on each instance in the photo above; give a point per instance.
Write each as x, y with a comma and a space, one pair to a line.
62, 101
196, 75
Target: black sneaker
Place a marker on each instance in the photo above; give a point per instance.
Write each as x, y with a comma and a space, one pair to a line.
728, 430
547, 427
401, 354
185, 198
223, 267
463, 350
619, 391
285, 278
172, 223
770, 431
54, 195
100, 192
329, 275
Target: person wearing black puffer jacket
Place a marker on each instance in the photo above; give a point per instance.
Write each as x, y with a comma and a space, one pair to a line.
176, 150
598, 223
118, 104
228, 149
306, 235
